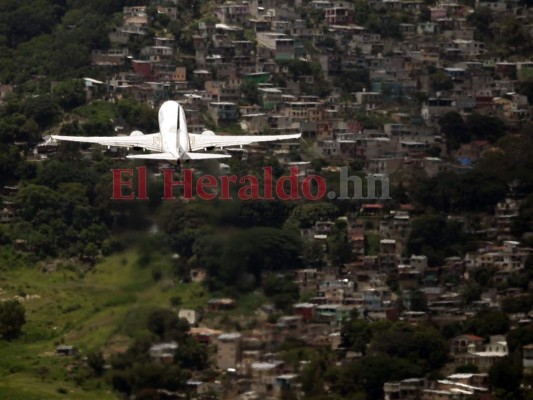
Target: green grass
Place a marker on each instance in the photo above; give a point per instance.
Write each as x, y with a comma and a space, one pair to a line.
104, 309
27, 387
97, 110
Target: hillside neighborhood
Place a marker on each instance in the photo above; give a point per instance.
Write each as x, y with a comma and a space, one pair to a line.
425, 295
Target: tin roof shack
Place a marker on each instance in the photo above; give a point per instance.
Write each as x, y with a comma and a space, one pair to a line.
66, 350
163, 352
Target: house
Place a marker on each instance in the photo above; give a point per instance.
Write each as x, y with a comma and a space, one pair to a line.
527, 356
192, 316
462, 343
229, 350
338, 16
204, 335
406, 389
305, 310
275, 45
492, 353
506, 212
65, 350
220, 304
232, 13
163, 352
6, 215
223, 111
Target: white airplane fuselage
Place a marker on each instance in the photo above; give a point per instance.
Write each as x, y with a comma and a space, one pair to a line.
173, 141
173, 129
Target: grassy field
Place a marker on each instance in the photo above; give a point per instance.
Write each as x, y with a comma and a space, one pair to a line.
102, 309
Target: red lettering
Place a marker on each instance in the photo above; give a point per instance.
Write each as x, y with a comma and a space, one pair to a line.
225, 181
201, 186
118, 183
267, 174
169, 183
293, 182
320, 184
251, 191
141, 183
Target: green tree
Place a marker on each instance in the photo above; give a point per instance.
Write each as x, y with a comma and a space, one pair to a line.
250, 92
520, 336
436, 237
251, 252
454, 129
506, 376
418, 301
467, 369
484, 127
353, 80
96, 362
70, 93
369, 374
487, 323
42, 109
482, 18
308, 213
12, 319
440, 81
356, 333
339, 248
192, 355
166, 325
421, 345
281, 290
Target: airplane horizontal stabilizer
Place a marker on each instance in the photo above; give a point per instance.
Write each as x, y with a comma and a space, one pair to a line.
203, 156
154, 156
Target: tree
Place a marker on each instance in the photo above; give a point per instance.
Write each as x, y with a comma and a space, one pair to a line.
418, 301
70, 93
482, 19
484, 127
421, 345
192, 355
314, 253
249, 253
520, 336
467, 369
487, 323
12, 319
437, 238
505, 376
43, 109
250, 92
440, 81
353, 81
312, 380
282, 290
471, 292
454, 129
165, 324
339, 248
369, 374
356, 333
96, 362
308, 213
513, 34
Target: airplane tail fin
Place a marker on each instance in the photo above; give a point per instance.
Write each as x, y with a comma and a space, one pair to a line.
203, 156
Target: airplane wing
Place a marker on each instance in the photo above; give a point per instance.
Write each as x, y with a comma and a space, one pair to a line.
150, 142
154, 156
202, 141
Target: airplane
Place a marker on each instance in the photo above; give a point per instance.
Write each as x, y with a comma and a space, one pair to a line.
173, 142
